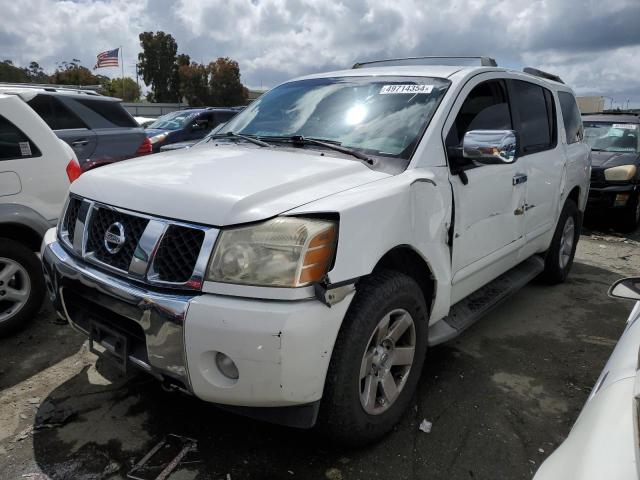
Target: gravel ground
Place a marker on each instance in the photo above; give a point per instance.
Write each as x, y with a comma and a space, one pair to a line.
500, 398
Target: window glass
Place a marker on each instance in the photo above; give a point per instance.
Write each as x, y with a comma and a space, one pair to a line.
13, 143
535, 108
174, 120
571, 117
111, 111
612, 137
54, 113
486, 108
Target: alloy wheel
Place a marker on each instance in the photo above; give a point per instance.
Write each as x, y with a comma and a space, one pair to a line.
387, 361
566, 242
15, 287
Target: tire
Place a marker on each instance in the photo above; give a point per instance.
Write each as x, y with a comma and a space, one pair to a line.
343, 416
631, 215
22, 287
559, 257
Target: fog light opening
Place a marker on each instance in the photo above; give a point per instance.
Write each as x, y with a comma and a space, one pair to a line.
227, 366
621, 199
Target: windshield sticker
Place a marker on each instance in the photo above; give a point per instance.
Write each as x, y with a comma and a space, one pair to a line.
624, 126
25, 149
405, 89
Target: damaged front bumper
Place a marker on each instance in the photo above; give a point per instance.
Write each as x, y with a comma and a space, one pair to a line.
281, 349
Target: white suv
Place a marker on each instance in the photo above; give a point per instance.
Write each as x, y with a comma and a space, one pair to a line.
33, 188
296, 265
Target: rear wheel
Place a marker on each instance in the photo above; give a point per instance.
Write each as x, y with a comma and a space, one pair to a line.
559, 258
21, 285
376, 361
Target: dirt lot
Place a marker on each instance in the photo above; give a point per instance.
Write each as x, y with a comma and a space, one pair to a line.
500, 398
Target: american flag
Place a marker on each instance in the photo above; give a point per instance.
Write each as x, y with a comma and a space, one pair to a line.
107, 59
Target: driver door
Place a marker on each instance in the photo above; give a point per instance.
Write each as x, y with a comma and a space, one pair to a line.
489, 199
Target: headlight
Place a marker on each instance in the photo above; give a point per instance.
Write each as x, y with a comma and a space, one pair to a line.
620, 174
157, 138
282, 252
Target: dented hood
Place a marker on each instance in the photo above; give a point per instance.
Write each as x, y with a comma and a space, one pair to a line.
225, 184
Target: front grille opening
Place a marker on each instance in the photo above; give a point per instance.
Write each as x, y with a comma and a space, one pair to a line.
83, 311
177, 254
70, 218
101, 220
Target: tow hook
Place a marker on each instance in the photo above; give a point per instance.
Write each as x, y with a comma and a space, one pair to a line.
332, 293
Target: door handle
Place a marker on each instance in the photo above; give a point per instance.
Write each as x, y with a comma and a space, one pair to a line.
79, 143
519, 178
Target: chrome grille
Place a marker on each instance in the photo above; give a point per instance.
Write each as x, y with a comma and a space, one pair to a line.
154, 250
101, 220
178, 253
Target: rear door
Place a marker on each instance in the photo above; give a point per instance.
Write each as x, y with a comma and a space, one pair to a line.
118, 135
535, 117
66, 125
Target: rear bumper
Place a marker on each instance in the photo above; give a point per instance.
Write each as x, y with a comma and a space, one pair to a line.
604, 197
281, 349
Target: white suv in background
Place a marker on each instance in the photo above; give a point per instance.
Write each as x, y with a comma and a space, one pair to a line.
296, 265
35, 170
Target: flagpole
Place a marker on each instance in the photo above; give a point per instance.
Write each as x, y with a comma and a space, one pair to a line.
122, 69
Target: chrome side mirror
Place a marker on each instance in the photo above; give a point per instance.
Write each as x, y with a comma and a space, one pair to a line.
626, 288
490, 146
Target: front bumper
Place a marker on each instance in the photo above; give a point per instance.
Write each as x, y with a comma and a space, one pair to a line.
603, 197
282, 349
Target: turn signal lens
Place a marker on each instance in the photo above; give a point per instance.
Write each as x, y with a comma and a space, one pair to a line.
319, 255
73, 170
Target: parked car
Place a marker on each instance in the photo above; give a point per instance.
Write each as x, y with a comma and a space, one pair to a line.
615, 174
191, 125
191, 143
296, 266
604, 441
98, 128
35, 170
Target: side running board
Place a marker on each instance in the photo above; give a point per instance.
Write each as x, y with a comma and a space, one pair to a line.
472, 308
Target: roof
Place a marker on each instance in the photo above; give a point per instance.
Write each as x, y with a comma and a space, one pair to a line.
612, 117
28, 92
440, 71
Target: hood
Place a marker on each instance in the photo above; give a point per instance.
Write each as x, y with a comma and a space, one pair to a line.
223, 185
179, 145
613, 159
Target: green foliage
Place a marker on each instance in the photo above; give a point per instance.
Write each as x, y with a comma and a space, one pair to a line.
226, 88
73, 73
10, 73
157, 63
113, 88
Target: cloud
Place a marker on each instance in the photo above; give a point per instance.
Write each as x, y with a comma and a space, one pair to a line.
594, 46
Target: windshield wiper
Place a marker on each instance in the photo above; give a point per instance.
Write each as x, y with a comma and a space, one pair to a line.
256, 141
330, 144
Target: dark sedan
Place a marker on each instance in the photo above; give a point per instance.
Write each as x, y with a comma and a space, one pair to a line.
615, 173
188, 125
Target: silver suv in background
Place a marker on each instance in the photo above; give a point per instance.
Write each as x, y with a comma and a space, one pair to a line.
98, 128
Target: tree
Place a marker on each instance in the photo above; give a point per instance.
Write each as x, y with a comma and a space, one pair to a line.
194, 84
113, 88
226, 88
10, 73
37, 74
157, 63
73, 73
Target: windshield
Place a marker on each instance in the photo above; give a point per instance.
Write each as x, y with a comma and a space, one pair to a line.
379, 115
173, 121
612, 137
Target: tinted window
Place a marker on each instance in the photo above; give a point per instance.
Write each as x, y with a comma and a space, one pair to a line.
571, 117
15, 144
54, 113
486, 108
222, 117
111, 111
534, 105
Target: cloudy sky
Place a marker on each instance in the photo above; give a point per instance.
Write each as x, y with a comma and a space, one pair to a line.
593, 45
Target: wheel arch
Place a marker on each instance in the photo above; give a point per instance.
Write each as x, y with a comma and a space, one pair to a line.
405, 259
22, 234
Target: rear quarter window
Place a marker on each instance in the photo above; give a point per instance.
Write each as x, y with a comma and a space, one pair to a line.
14, 144
113, 112
571, 117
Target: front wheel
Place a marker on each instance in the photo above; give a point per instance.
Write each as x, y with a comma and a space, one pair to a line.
377, 360
21, 286
560, 255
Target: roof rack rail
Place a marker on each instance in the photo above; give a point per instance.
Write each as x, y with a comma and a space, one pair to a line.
85, 89
395, 62
539, 73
